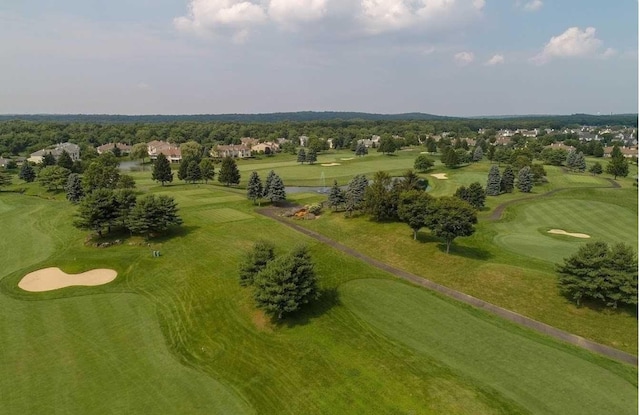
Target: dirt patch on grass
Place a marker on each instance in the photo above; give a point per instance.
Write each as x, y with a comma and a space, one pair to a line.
261, 321
48, 279
440, 176
330, 164
563, 232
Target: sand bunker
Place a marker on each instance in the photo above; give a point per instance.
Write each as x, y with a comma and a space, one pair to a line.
330, 164
48, 279
350, 158
563, 232
441, 176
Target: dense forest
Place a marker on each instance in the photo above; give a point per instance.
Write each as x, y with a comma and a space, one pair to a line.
22, 134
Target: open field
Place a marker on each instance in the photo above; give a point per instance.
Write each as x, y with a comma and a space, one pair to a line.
177, 334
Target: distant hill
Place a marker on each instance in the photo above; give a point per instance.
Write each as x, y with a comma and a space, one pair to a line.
307, 116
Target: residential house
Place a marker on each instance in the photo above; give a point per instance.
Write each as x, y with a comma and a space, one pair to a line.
249, 142
234, 151
72, 149
124, 148
627, 152
268, 147
561, 146
170, 151
304, 140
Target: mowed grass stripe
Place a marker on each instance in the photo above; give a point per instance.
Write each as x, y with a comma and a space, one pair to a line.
541, 378
223, 215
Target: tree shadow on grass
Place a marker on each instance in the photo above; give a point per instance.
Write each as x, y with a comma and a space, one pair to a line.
329, 298
599, 307
175, 232
458, 250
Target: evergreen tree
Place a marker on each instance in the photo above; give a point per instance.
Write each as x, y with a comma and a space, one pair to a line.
337, 196
268, 182
302, 156
53, 177
312, 156
153, 214
507, 180
493, 181
229, 173
380, 201
571, 160
194, 174
361, 149
207, 170
64, 160
618, 165
525, 180
286, 283
5, 178
102, 173
74, 188
254, 187
276, 191
491, 154
449, 157
126, 182
477, 154
139, 151
580, 163
355, 193
422, 163
387, 145
162, 170
255, 261
475, 195
27, 173
598, 149
183, 170
596, 168
48, 160
96, 211
431, 145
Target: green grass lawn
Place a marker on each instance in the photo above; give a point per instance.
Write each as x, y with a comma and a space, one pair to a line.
177, 334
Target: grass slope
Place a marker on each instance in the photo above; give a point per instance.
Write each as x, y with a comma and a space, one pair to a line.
516, 365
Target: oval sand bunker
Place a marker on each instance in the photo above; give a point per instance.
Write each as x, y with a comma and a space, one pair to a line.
440, 176
563, 232
48, 279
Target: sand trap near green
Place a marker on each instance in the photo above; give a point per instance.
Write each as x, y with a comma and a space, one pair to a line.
440, 176
330, 164
563, 232
48, 279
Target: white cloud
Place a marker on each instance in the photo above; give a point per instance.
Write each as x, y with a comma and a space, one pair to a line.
464, 58
573, 43
291, 12
495, 60
208, 16
379, 16
609, 53
533, 6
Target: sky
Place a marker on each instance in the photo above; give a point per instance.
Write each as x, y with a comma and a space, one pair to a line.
445, 57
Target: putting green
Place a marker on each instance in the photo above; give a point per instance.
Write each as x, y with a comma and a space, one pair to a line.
526, 230
518, 365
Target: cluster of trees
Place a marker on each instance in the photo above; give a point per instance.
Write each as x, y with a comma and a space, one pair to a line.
498, 184
121, 209
309, 156
273, 189
601, 273
281, 284
475, 195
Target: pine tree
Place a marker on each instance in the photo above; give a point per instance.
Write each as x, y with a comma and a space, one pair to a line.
276, 191
193, 172
153, 214
475, 195
422, 163
477, 154
449, 157
286, 283
302, 157
207, 170
618, 165
571, 160
493, 181
507, 180
162, 170
361, 149
255, 261
355, 193
73, 188
312, 156
229, 173
183, 170
5, 178
337, 196
580, 163
64, 160
596, 168
48, 160
254, 187
268, 182
27, 173
525, 179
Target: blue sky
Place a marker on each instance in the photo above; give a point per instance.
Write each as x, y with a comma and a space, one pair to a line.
447, 57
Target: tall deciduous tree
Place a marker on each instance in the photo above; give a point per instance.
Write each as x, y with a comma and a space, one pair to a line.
618, 165
413, 209
254, 187
73, 188
451, 218
162, 170
139, 151
493, 181
102, 173
286, 283
27, 173
387, 145
191, 150
600, 273
255, 261
596, 168
229, 173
